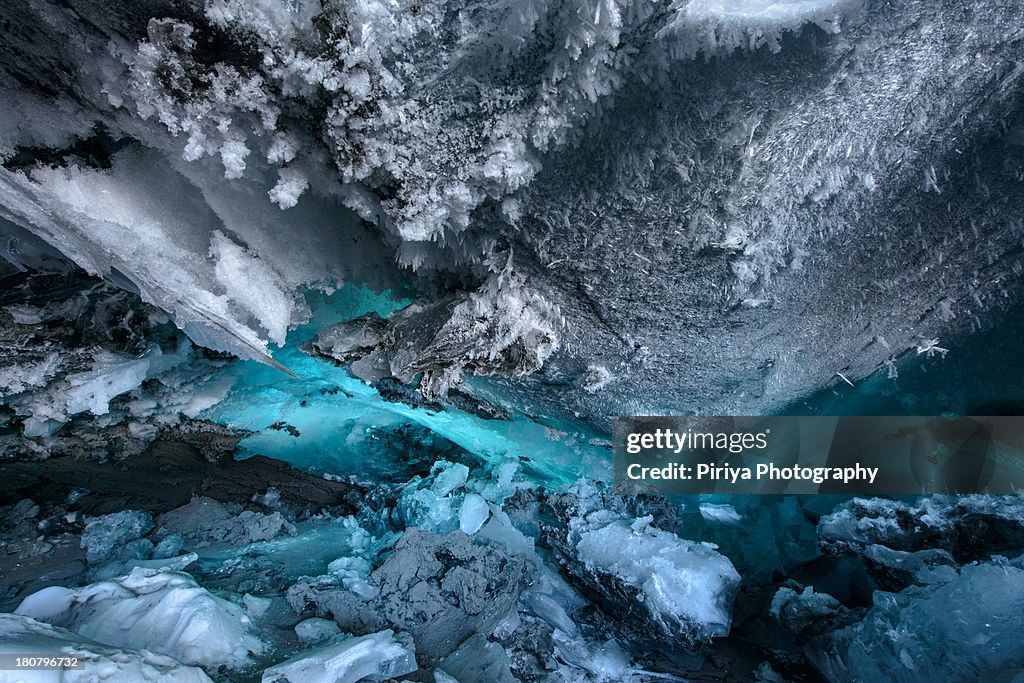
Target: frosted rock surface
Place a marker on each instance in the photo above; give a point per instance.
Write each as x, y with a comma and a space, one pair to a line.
162, 611
904, 543
103, 536
676, 180
440, 589
206, 521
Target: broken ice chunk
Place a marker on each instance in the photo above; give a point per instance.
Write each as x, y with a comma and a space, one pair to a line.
315, 630
20, 634
448, 476
720, 514
680, 591
162, 611
967, 629
809, 613
255, 605
122, 567
374, 657
473, 513
478, 661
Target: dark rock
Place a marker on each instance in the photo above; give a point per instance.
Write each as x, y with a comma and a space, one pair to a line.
897, 539
167, 475
439, 588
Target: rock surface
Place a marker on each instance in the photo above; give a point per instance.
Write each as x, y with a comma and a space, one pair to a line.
441, 589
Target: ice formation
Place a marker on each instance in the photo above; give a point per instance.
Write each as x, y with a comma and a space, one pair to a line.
967, 627
161, 611
375, 657
300, 146
457, 237
20, 635
685, 588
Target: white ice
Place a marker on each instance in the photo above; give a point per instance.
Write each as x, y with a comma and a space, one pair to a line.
24, 635
162, 611
378, 656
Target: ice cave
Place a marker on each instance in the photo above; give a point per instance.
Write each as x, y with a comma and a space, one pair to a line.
319, 320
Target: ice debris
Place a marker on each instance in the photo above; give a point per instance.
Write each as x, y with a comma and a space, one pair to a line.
674, 590
106, 536
719, 513
966, 629
807, 613
684, 587
162, 611
374, 657
100, 662
315, 630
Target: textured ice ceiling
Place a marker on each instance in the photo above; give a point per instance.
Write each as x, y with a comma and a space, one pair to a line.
679, 206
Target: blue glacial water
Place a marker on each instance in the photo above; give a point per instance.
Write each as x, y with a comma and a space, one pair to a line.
326, 421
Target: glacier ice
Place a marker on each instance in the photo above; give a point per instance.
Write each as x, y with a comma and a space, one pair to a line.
684, 588
967, 628
373, 657
161, 611
100, 662
314, 630
719, 513
473, 513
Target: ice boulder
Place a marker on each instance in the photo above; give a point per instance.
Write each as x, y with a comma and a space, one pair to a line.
22, 635
968, 629
375, 657
158, 610
674, 590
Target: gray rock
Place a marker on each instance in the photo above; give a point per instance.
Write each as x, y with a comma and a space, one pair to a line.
808, 613
204, 521
478, 661
103, 536
439, 588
